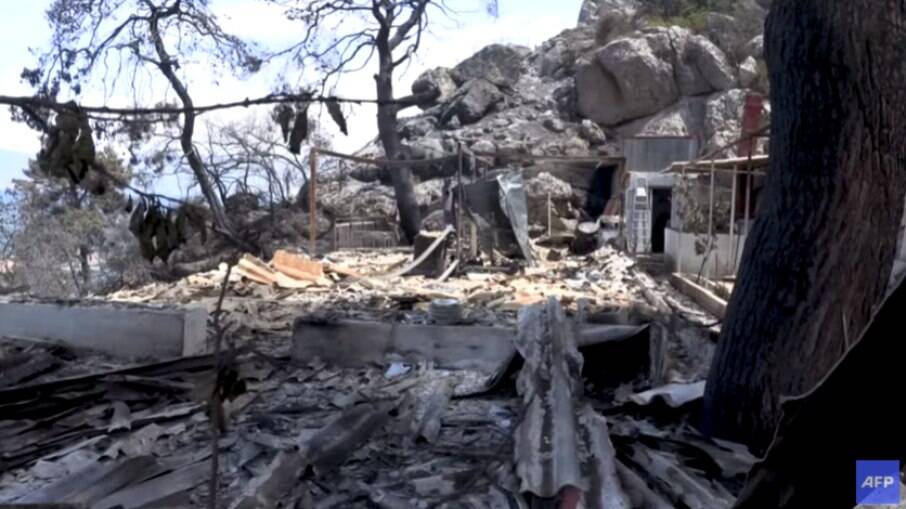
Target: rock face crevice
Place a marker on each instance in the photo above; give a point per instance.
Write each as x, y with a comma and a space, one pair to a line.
618, 73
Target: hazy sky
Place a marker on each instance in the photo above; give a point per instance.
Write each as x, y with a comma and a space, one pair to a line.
526, 22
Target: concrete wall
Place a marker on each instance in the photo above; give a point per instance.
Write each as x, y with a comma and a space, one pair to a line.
119, 330
680, 248
652, 154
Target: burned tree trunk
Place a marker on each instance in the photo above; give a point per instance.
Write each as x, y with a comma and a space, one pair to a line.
850, 412
820, 253
401, 177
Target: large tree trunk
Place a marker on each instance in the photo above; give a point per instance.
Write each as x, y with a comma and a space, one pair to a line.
849, 413
820, 253
401, 177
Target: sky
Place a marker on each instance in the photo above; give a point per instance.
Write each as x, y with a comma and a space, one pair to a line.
449, 41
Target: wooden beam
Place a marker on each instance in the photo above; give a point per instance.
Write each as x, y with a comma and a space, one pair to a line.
701, 295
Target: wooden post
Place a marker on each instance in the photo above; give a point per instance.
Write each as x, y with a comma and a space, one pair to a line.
461, 205
313, 202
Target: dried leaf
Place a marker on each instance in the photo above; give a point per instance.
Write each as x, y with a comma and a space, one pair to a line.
333, 107
300, 131
283, 115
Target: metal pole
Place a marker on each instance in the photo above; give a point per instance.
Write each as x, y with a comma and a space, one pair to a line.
313, 202
733, 221
748, 199
710, 220
682, 232
460, 206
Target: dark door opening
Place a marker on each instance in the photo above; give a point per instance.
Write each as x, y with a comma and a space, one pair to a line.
660, 214
601, 190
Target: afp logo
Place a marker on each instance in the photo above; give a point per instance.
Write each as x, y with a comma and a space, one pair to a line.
878, 482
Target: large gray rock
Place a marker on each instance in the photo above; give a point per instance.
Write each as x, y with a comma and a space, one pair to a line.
722, 30
638, 76
500, 64
557, 56
748, 72
723, 117
685, 118
472, 102
715, 120
351, 198
438, 82
710, 62
632, 82
592, 133
417, 127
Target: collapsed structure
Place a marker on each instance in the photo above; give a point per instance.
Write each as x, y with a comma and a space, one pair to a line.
521, 354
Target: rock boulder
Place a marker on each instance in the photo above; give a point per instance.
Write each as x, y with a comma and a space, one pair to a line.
472, 102
626, 80
438, 82
500, 64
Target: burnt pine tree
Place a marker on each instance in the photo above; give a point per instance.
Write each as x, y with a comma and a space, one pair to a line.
821, 250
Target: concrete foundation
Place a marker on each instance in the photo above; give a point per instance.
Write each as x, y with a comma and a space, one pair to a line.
119, 330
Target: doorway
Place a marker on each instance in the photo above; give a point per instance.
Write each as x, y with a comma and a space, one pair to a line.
661, 201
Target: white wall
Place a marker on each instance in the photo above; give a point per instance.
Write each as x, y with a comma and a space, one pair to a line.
680, 248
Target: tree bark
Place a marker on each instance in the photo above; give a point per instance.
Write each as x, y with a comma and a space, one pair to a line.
849, 411
821, 250
401, 177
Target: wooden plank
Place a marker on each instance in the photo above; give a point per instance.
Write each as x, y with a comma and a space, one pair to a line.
702, 296
300, 267
258, 271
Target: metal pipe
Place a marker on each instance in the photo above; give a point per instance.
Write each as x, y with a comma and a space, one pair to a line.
748, 200
733, 250
710, 219
549, 218
682, 232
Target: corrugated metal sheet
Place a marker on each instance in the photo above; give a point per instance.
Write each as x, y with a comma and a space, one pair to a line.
651, 154
560, 441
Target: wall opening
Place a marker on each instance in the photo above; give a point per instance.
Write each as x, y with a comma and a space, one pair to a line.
661, 204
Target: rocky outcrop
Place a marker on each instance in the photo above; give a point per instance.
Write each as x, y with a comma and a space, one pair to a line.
500, 64
637, 76
437, 83
471, 102
556, 58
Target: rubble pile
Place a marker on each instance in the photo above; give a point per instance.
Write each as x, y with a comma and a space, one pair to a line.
380, 421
